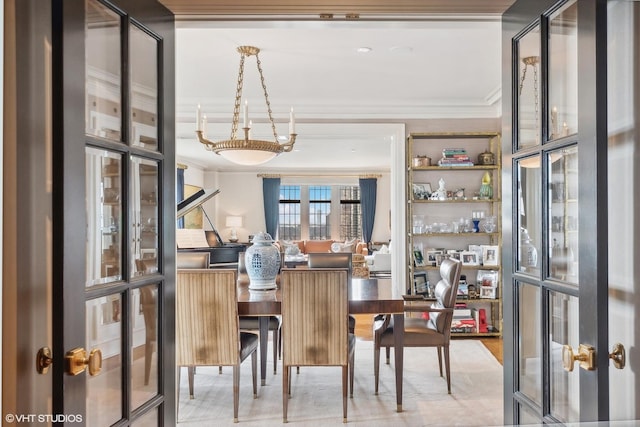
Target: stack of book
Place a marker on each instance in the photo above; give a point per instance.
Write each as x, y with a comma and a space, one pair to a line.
464, 319
455, 157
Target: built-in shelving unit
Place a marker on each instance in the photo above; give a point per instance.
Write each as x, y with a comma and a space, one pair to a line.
454, 211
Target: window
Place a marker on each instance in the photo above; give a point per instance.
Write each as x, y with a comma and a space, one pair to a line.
319, 212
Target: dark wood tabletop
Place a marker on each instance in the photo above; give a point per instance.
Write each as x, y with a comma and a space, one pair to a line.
366, 296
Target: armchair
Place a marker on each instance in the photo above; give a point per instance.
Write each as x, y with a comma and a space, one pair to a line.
435, 331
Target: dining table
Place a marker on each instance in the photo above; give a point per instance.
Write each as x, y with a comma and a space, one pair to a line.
366, 296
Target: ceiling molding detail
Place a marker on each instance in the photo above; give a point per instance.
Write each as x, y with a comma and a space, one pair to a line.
336, 7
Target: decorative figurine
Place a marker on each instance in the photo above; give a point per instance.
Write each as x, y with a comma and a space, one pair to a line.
440, 193
486, 191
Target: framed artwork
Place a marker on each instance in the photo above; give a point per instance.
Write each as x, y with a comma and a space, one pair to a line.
418, 258
194, 218
487, 279
421, 191
420, 282
490, 255
432, 257
469, 258
487, 292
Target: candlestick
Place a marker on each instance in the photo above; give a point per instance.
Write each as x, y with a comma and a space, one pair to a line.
203, 128
292, 123
250, 125
554, 121
565, 129
198, 117
246, 113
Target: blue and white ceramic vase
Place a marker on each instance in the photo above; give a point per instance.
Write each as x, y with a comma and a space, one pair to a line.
262, 260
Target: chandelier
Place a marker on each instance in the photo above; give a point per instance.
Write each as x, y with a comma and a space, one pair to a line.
247, 151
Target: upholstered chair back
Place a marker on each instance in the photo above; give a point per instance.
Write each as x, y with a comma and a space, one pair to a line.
445, 292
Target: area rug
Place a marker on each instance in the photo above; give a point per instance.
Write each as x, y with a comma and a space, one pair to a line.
475, 399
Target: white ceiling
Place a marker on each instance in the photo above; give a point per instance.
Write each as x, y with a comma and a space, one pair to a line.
348, 104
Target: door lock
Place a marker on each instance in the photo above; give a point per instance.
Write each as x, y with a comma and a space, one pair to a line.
619, 356
586, 356
76, 361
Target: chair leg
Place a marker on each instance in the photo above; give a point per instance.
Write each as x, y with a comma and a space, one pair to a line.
191, 372
236, 390
388, 350
376, 366
439, 349
219, 370
254, 373
279, 345
275, 350
344, 393
446, 363
285, 391
351, 373
148, 354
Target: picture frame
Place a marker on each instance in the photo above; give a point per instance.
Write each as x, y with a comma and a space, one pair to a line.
469, 258
418, 258
478, 250
420, 283
432, 257
421, 191
487, 292
490, 255
487, 279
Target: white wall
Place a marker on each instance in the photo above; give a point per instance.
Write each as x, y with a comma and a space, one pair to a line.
623, 172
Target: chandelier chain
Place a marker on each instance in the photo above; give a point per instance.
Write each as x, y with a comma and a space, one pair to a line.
266, 97
236, 107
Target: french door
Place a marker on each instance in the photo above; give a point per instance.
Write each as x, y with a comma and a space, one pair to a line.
556, 269
113, 212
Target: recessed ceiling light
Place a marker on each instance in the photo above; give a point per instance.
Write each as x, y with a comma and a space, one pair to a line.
364, 49
401, 49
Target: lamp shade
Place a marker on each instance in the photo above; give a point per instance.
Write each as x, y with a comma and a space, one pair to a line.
234, 221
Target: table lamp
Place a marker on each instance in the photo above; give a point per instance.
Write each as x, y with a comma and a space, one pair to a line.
233, 222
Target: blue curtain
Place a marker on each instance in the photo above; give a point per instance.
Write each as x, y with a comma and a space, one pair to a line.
271, 195
368, 191
180, 194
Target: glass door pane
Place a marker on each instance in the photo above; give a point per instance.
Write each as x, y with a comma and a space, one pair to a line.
563, 214
104, 216
144, 237
563, 329
144, 360
144, 89
529, 185
563, 71
529, 89
530, 346
103, 110
104, 331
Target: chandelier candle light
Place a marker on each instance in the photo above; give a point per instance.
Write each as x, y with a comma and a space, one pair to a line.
246, 151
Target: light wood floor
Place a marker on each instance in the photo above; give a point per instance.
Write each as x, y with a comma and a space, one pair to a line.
364, 331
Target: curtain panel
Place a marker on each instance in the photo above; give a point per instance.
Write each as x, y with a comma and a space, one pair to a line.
368, 192
271, 196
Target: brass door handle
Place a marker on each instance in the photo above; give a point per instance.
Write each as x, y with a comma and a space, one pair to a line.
619, 356
586, 356
76, 361
44, 359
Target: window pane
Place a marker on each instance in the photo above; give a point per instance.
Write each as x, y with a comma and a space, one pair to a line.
289, 213
563, 215
319, 212
530, 214
104, 216
103, 114
529, 89
563, 72
350, 213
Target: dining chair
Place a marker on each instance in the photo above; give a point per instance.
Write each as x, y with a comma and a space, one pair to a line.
207, 330
434, 331
315, 312
251, 323
148, 306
